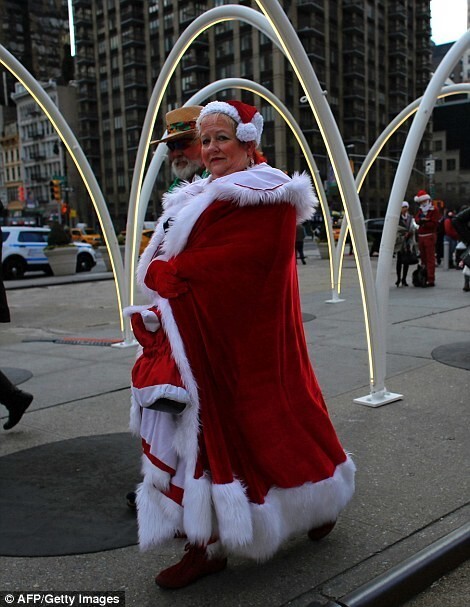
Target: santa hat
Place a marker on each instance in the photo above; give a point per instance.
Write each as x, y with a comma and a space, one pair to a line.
249, 120
422, 196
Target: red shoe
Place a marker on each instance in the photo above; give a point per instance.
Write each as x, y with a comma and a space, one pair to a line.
193, 565
318, 533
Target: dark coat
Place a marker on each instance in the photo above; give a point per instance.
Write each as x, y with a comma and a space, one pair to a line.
461, 223
4, 310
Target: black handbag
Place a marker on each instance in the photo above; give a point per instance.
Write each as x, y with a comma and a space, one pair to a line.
410, 257
419, 277
466, 258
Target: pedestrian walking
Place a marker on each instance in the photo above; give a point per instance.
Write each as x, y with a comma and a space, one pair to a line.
405, 244
253, 458
451, 237
15, 400
299, 243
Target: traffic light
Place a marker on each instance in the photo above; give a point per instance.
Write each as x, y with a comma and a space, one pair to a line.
56, 190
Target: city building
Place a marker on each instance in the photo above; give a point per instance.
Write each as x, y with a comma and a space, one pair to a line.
43, 158
13, 191
36, 32
452, 152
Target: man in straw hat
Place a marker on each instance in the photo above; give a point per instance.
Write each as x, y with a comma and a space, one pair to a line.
184, 146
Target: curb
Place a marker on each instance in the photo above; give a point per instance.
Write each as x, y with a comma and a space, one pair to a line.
412, 576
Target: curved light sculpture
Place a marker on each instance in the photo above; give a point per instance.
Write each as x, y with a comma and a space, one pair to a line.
336, 150
69, 140
400, 182
373, 154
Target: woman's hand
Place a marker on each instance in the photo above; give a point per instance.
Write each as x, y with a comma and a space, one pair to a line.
162, 277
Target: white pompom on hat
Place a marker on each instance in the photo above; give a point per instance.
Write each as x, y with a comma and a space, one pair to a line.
249, 120
422, 196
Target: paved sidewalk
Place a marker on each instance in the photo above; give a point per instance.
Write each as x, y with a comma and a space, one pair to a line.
411, 456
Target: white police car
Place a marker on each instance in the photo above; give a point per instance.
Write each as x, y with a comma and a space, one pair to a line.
23, 251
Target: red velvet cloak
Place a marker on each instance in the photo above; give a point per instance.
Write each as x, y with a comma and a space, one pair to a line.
260, 454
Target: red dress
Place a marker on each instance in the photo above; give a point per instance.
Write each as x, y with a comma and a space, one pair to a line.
254, 458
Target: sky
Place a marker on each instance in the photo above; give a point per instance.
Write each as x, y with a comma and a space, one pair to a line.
448, 20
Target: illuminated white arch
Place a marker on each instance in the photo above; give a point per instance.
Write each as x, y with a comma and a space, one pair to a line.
68, 138
400, 182
336, 151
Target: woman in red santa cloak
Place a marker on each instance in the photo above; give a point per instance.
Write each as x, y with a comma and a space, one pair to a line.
253, 458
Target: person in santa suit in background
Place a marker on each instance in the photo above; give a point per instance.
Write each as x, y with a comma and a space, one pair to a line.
184, 154
252, 457
427, 219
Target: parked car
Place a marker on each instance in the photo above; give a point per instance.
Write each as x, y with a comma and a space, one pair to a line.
145, 239
23, 251
87, 235
374, 229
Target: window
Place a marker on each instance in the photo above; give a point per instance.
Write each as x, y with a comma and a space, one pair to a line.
451, 165
32, 237
437, 145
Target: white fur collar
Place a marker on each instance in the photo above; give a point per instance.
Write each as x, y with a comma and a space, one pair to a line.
261, 184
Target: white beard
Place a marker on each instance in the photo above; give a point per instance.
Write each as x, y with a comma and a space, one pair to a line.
187, 172
426, 206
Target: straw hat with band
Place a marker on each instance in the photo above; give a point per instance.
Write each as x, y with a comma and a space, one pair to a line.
181, 123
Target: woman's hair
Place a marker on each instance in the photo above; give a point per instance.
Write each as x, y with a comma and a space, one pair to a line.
258, 156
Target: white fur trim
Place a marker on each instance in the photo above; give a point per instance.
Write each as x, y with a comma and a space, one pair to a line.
153, 475
287, 512
233, 515
422, 198
130, 310
215, 550
197, 505
148, 395
158, 516
247, 132
135, 418
150, 320
218, 107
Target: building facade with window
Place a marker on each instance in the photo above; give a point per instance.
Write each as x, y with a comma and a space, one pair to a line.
43, 157
452, 152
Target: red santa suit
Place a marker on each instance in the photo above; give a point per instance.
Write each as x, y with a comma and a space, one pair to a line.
254, 458
427, 219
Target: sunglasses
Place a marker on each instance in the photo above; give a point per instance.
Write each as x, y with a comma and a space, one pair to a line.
180, 144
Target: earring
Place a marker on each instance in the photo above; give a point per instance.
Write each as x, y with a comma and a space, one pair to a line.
251, 163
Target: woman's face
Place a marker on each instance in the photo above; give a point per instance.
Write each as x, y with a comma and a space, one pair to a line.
221, 151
